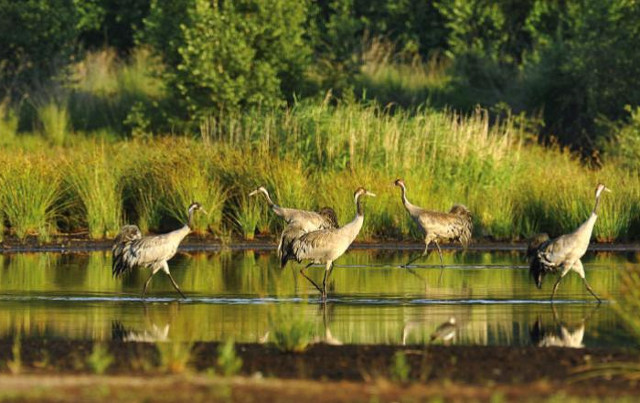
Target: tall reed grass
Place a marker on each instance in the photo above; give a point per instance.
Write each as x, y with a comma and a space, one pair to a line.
30, 190
96, 182
313, 154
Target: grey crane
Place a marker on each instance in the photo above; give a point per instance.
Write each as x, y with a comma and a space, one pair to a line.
456, 225
323, 246
131, 250
299, 222
563, 253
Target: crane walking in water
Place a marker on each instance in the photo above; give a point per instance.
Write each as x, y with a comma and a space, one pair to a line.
563, 253
456, 225
299, 222
131, 250
326, 245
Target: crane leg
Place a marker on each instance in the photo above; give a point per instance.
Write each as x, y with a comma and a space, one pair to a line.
308, 278
586, 284
425, 253
555, 287
146, 284
175, 285
327, 273
441, 263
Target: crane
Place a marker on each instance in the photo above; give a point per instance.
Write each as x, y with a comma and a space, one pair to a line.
131, 250
563, 253
456, 225
324, 246
299, 222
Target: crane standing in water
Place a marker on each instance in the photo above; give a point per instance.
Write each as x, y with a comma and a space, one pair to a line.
456, 225
131, 250
563, 253
299, 222
326, 245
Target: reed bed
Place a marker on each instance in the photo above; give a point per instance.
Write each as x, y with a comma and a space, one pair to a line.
310, 156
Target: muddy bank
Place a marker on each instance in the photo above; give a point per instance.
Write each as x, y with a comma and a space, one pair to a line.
464, 365
194, 243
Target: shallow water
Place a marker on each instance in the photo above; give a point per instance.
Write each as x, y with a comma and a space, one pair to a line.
372, 300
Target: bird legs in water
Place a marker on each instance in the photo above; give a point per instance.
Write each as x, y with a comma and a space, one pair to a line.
426, 253
327, 273
577, 267
164, 268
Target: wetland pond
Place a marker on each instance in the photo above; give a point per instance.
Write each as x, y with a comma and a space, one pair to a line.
372, 300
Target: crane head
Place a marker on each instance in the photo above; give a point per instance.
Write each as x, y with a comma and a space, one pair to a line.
399, 182
258, 190
195, 206
600, 188
362, 192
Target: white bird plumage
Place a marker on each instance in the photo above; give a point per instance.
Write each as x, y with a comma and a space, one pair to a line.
324, 246
299, 222
456, 225
563, 253
131, 250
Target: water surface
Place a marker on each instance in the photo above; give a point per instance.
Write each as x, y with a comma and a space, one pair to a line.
241, 294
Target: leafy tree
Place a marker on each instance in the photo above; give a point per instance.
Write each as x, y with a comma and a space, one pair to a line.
585, 65
37, 38
229, 55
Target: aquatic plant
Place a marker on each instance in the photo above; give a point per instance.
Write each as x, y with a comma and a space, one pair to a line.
228, 362
290, 332
399, 368
174, 356
15, 363
100, 359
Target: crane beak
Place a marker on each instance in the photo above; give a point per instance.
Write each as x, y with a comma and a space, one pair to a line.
255, 192
606, 189
370, 194
204, 211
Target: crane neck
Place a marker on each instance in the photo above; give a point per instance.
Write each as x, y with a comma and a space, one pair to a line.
359, 211
189, 223
268, 197
595, 207
405, 201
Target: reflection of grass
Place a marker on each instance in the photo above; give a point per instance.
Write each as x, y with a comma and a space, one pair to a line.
627, 307
290, 331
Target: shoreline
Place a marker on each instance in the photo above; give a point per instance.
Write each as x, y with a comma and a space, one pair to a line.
482, 368
71, 244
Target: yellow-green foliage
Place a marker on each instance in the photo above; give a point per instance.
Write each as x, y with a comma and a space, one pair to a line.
29, 190
54, 121
228, 361
311, 156
174, 356
95, 179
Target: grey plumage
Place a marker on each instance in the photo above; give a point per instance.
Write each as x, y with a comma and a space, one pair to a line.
299, 222
324, 246
563, 254
131, 250
456, 225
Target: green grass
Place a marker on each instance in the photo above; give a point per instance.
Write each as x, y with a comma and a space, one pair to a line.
54, 121
30, 189
310, 155
96, 184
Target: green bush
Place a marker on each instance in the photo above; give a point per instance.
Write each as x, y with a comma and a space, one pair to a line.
228, 55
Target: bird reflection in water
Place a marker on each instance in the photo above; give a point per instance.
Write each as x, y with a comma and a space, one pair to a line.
559, 334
